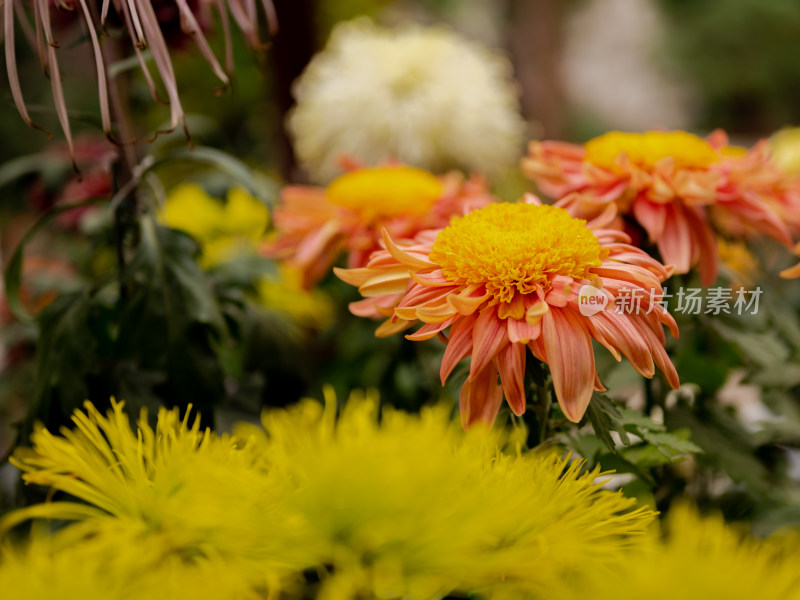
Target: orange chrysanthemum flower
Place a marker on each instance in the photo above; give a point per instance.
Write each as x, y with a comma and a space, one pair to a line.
508, 277
314, 225
669, 182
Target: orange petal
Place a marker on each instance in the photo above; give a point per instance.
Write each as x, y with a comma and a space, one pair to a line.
651, 216
481, 398
514, 309
618, 332
511, 364
429, 330
571, 359
522, 331
488, 337
388, 282
535, 313
791, 272
466, 305
675, 243
459, 346
404, 257
356, 277
706, 247
390, 327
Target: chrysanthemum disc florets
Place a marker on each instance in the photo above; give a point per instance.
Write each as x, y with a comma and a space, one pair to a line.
386, 192
644, 150
516, 248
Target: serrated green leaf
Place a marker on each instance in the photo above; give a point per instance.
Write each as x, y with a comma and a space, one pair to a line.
646, 456
670, 444
634, 421
587, 446
607, 417
170, 320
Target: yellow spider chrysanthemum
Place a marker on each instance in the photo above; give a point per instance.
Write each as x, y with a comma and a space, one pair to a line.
104, 568
405, 506
699, 559
413, 507
170, 489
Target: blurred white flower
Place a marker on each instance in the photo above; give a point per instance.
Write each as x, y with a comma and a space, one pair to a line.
424, 96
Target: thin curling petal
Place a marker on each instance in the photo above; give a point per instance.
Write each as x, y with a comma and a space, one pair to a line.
11, 66
511, 277
146, 31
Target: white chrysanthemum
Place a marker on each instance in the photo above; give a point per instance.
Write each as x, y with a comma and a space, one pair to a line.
425, 96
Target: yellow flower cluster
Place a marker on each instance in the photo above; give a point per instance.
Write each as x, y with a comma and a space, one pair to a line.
223, 229
389, 505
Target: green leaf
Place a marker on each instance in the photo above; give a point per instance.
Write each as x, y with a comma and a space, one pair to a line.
260, 186
606, 417
68, 356
672, 444
13, 273
587, 446
765, 349
168, 282
30, 164
170, 321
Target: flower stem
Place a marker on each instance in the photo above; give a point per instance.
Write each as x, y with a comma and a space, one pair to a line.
126, 213
544, 401
537, 384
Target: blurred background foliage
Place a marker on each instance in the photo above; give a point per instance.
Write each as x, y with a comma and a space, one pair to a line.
146, 319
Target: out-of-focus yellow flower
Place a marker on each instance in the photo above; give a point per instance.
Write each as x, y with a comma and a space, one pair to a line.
785, 148
737, 262
413, 507
223, 229
286, 295
170, 490
405, 506
104, 568
700, 558
424, 96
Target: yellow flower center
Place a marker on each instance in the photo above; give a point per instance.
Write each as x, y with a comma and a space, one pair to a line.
644, 150
515, 248
385, 192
